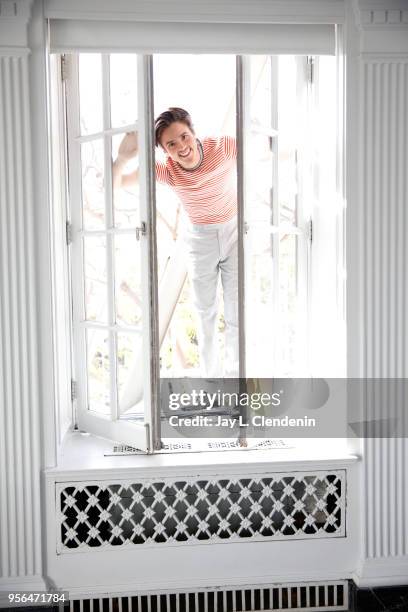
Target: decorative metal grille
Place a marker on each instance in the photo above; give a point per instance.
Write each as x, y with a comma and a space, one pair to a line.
308, 597
278, 506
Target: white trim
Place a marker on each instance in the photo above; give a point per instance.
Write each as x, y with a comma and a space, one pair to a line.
385, 57
388, 571
150, 37
85, 458
210, 11
22, 583
14, 51
14, 17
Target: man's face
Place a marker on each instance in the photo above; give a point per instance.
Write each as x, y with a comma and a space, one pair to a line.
180, 143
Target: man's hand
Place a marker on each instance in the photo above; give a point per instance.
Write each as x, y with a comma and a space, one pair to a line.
128, 148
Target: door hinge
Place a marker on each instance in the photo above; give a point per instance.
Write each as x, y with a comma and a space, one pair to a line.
73, 390
142, 230
310, 69
68, 232
64, 67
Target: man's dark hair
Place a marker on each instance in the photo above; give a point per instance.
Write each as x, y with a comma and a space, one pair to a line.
165, 119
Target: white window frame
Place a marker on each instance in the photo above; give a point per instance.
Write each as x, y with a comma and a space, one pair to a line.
139, 435
151, 435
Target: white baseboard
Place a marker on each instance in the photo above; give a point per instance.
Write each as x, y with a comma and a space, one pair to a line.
384, 571
19, 584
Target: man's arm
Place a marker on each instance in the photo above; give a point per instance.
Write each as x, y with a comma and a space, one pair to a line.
128, 149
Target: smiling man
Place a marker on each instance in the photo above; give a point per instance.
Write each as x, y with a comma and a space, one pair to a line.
203, 175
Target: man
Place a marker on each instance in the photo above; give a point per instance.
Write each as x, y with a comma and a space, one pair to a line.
203, 175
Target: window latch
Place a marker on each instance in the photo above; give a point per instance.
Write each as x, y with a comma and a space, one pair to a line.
142, 230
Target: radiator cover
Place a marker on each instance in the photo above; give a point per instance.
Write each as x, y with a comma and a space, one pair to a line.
196, 510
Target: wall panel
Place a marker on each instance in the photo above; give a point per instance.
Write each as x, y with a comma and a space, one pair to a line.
384, 232
20, 519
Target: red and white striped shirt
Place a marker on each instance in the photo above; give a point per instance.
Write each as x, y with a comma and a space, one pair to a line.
209, 193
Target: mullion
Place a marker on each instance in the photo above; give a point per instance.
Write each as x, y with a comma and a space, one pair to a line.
120, 231
242, 76
151, 313
114, 328
304, 264
110, 240
76, 210
275, 213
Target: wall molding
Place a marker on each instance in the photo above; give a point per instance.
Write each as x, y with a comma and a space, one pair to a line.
14, 18
14, 51
383, 25
22, 584
210, 11
20, 440
380, 18
382, 572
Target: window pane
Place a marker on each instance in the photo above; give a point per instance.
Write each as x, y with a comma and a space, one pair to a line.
291, 113
90, 93
260, 291
129, 373
95, 279
289, 316
261, 140
97, 344
93, 198
261, 82
123, 89
288, 186
260, 184
128, 280
276, 306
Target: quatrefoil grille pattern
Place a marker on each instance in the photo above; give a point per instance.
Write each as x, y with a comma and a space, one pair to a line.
159, 511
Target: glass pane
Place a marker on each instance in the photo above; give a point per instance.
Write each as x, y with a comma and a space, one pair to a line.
288, 304
260, 183
261, 81
261, 140
90, 93
260, 305
93, 194
128, 287
275, 332
123, 89
126, 201
291, 134
96, 308
97, 343
130, 374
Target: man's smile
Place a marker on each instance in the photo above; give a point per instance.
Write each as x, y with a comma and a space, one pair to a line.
185, 152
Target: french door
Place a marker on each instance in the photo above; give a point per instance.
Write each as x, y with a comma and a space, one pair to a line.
112, 248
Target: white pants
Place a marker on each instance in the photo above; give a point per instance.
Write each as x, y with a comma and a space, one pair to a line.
212, 253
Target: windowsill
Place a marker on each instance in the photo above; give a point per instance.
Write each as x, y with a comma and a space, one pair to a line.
82, 454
